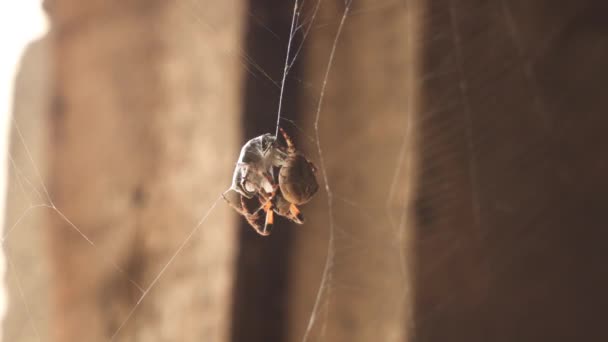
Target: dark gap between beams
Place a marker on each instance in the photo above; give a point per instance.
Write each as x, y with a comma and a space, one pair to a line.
260, 306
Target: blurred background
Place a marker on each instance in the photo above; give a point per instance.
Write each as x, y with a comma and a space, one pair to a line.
460, 147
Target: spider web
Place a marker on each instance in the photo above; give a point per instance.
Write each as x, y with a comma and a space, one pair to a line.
343, 246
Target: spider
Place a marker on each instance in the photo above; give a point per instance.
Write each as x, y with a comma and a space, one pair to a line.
254, 173
278, 204
297, 175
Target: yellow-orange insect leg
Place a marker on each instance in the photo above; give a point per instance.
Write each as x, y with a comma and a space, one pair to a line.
269, 218
297, 215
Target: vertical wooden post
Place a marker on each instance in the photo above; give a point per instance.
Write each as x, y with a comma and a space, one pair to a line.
511, 209
26, 222
368, 153
145, 125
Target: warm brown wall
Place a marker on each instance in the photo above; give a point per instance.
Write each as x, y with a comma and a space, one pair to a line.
511, 209
144, 123
368, 152
261, 297
25, 227
488, 116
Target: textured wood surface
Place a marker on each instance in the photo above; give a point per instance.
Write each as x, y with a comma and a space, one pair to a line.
143, 126
368, 153
511, 209
462, 142
26, 222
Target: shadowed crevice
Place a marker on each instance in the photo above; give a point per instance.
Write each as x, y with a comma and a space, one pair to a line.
261, 286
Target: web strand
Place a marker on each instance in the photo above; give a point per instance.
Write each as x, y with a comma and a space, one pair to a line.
239, 51
326, 276
31, 159
51, 204
340, 245
21, 217
20, 176
27, 308
305, 35
162, 271
464, 92
402, 162
526, 65
286, 67
289, 62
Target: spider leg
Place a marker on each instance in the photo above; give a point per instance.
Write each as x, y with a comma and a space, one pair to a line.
291, 148
252, 219
268, 208
238, 210
295, 214
269, 218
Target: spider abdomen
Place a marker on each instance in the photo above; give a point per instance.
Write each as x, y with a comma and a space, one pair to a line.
297, 179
